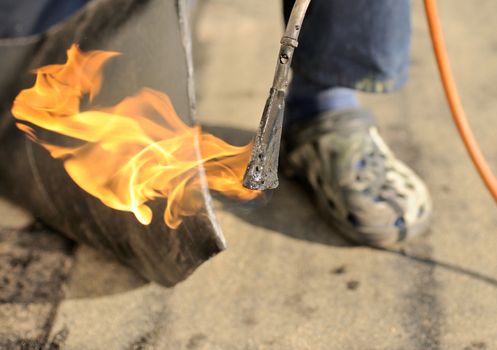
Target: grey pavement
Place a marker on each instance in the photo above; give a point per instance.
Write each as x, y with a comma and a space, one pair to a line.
287, 281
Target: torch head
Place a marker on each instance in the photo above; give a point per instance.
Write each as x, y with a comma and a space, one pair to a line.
262, 170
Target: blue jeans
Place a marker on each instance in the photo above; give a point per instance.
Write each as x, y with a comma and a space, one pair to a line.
359, 44
27, 17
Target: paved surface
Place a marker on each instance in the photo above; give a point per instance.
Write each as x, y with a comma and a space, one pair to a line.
287, 281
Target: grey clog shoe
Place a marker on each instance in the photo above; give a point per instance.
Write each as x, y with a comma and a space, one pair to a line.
367, 194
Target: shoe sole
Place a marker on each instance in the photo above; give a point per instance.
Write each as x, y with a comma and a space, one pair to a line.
363, 236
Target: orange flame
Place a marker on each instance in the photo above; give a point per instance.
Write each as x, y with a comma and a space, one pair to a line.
134, 152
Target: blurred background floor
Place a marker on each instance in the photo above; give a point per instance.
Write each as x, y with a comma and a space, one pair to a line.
287, 280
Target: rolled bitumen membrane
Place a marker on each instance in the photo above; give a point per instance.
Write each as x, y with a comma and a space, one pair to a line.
154, 39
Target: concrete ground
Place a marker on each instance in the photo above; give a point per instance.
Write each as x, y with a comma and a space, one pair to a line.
287, 280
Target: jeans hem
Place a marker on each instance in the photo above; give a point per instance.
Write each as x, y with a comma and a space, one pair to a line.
368, 82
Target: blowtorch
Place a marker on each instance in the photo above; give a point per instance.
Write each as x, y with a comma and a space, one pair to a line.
262, 170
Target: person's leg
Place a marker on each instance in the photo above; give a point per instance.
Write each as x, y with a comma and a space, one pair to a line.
360, 44
356, 44
332, 143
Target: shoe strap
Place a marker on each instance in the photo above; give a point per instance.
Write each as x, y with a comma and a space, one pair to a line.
344, 122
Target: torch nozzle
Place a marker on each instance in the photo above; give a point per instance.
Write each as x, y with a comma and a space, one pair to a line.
262, 170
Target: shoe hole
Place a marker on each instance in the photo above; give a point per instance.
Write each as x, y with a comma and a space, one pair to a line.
379, 199
400, 222
361, 163
316, 146
319, 180
352, 219
331, 204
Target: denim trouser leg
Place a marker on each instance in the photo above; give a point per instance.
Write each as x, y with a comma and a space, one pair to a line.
359, 44
26, 17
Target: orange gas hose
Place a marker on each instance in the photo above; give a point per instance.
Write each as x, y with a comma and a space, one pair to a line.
454, 100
